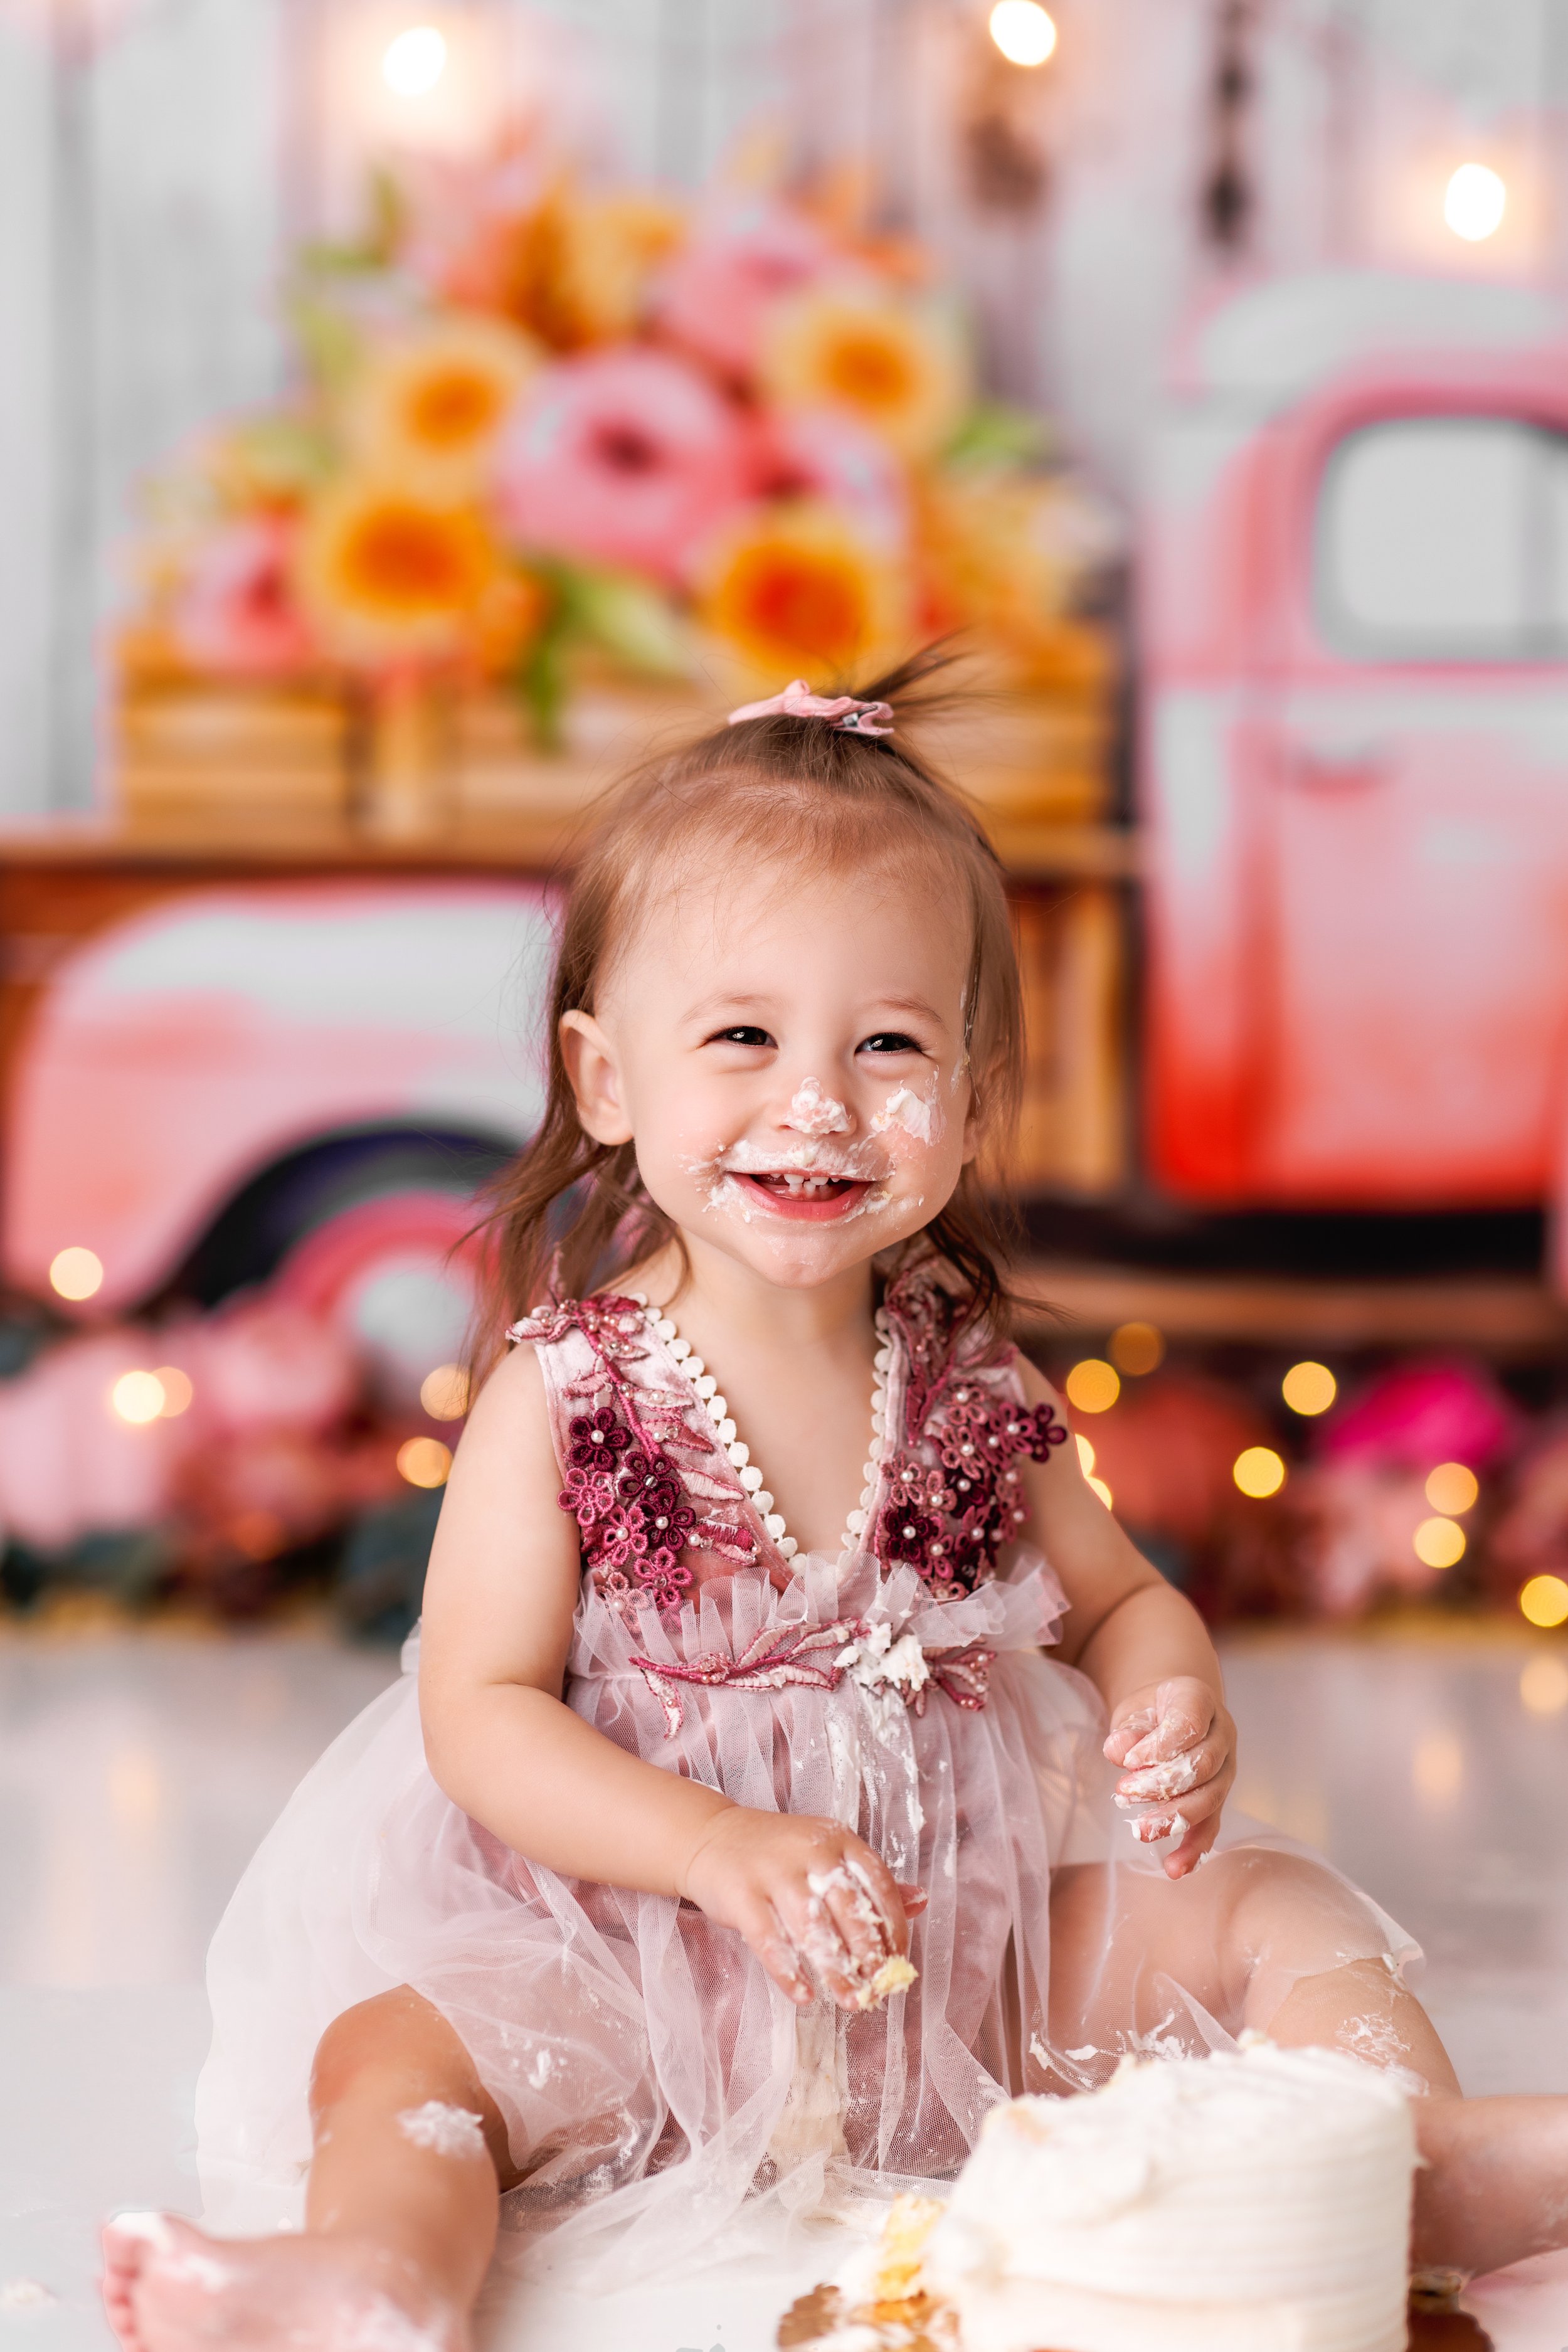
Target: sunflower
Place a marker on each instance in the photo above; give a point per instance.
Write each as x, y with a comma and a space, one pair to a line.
388, 574
796, 593
901, 370
429, 407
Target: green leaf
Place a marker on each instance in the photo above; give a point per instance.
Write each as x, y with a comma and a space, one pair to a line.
541, 683
995, 435
630, 619
329, 343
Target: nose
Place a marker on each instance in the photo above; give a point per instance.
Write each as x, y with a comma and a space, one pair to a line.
814, 1112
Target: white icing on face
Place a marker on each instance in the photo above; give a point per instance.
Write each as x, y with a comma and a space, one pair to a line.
814, 1113
443, 2130
918, 1115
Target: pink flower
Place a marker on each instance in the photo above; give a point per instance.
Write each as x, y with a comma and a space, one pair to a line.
719, 294
236, 612
819, 453
625, 457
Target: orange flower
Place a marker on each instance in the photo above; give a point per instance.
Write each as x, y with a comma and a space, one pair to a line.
1007, 554
388, 574
429, 406
794, 592
573, 271
901, 370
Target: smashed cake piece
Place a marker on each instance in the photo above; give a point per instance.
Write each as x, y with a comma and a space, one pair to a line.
894, 1974
877, 2303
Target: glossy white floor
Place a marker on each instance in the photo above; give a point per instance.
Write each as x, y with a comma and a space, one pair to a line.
137, 1772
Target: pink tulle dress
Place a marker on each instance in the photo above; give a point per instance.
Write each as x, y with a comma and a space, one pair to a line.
663, 2098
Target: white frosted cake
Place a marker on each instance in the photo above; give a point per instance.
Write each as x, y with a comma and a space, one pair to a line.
1254, 2201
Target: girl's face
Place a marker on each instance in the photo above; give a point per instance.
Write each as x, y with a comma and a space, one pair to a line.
789, 1057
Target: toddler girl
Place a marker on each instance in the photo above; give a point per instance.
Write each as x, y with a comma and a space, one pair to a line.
802, 1760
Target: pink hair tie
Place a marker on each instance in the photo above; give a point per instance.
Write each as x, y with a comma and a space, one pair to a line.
840, 711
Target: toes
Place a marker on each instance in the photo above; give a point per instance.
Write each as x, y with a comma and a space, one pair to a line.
128, 2241
130, 2238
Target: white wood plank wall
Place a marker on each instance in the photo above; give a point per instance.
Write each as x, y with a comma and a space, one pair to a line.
148, 189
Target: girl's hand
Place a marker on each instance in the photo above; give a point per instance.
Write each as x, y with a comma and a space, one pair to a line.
1176, 1745
810, 1897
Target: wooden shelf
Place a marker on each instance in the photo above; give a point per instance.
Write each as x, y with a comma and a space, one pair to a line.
1499, 1316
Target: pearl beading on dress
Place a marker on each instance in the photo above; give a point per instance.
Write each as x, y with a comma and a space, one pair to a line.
739, 1454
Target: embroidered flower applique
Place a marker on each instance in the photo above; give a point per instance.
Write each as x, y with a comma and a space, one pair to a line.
951, 1523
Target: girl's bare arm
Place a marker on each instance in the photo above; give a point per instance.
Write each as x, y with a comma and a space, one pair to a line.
1142, 1646
500, 1741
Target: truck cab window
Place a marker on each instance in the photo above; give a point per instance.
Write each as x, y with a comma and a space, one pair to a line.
1445, 539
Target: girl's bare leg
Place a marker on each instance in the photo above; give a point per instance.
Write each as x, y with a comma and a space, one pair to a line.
1493, 2186
1257, 1937
400, 2222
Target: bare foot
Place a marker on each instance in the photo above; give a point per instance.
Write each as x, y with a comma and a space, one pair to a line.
168, 2287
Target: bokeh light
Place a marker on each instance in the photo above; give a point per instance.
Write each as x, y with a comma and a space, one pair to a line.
414, 62
1544, 1600
137, 1397
178, 1391
1023, 31
1308, 1388
1086, 1456
1452, 1489
1543, 1685
1093, 1386
75, 1274
1475, 202
443, 1393
1438, 1543
424, 1462
1138, 1348
1260, 1470
1102, 1490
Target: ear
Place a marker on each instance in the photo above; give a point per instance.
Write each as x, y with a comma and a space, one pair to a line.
596, 1079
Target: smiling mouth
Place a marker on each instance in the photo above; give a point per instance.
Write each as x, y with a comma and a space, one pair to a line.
797, 1192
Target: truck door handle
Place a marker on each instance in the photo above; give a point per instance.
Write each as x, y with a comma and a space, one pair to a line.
1348, 771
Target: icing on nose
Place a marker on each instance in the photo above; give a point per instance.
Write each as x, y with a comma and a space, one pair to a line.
811, 1112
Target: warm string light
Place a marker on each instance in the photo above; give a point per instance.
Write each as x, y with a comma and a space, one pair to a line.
1138, 1349
140, 1396
1093, 1386
1545, 1602
1453, 1488
1259, 1472
1022, 32
1308, 1388
415, 62
1438, 1543
75, 1274
443, 1393
1475, 202
424, 1462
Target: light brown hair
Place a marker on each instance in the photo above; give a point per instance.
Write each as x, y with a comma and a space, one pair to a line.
570, 1214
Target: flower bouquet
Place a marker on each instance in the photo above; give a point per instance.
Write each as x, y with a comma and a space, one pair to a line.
548, 440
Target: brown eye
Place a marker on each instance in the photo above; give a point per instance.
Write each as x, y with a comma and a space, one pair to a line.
889, 1041
741, 1034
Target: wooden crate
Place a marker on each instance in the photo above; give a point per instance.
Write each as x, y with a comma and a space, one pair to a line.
183, 748
432, 759
1073, 1130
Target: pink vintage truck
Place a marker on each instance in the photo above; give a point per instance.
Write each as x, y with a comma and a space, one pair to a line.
1354, 750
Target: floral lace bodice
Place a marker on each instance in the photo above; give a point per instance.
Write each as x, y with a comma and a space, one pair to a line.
665, 1494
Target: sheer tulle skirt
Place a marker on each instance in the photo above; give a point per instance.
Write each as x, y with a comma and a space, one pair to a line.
662, 2098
